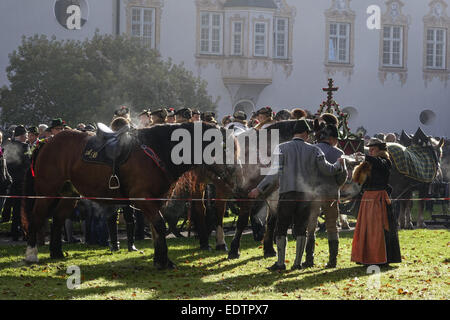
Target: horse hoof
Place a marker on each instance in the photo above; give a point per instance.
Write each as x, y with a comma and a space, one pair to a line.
31, 256
205, 248
164, 266
233, 255
270, 254
221, 247
57, 256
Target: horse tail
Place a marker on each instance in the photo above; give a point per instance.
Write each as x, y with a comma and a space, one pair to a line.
27, 203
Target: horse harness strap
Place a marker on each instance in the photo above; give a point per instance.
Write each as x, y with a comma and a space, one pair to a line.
157, 160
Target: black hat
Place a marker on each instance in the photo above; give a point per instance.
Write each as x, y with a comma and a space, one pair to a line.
196, 111
90, 128
330, 118
170, 112
240, 115
161, 113
185, 113
57, 123
33, 130
301, 126
145, 112
266, 110
283, 115
19, 131
123, 111
375, 142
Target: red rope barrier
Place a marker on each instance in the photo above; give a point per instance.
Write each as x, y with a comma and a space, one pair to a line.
192, 199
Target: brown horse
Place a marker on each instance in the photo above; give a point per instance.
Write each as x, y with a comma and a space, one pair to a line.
59, 162
194, 191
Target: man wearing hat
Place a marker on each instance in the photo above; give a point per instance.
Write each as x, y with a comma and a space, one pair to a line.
57, 125
159, 116
144, 119
33, 135
265, 118
196, 115
283, 115
239, 124
183, 115
296, 166
208, 117
170, 115
327, 139
18, 161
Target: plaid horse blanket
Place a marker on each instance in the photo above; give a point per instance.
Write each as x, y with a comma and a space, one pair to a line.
414, 161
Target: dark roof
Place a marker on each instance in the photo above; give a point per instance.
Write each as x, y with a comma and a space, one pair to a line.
251, 3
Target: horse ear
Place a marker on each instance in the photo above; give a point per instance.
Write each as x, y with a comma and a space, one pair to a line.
441, 143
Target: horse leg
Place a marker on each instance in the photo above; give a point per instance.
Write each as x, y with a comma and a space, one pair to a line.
420, 219
401, 214
62, 212
268, 240
161, 259
36, 222
242, 222
220, 235
198, 215
408, 223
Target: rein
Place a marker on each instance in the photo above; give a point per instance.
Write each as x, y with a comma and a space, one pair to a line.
157, 160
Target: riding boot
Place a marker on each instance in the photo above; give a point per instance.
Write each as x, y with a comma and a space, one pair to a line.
310, 246
281, 248
130, 237
113, 230
300, 248
333, 246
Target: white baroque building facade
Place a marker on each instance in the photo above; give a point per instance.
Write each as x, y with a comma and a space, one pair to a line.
280, 53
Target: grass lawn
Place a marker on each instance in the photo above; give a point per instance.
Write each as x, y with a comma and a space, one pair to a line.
423, 274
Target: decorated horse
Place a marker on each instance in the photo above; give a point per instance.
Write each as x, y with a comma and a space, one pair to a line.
145, 163
416, 167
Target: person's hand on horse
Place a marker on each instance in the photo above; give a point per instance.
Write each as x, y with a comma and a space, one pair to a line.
254, 193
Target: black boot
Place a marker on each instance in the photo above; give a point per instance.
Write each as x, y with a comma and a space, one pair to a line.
310, 246
113, 230
333, 246
130, 237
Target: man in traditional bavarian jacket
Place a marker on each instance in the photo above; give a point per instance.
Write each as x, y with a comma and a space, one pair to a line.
327, 139
296, 164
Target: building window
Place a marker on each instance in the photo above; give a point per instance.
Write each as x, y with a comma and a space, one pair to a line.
211, 33
393, 46
436, 48
339, 43
281, 37
237, 38
143, 25
260, 39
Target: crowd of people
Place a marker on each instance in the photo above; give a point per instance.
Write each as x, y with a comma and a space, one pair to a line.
299, 160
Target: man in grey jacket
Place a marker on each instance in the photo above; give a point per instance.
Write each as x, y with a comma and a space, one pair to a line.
296, 166
329, 193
